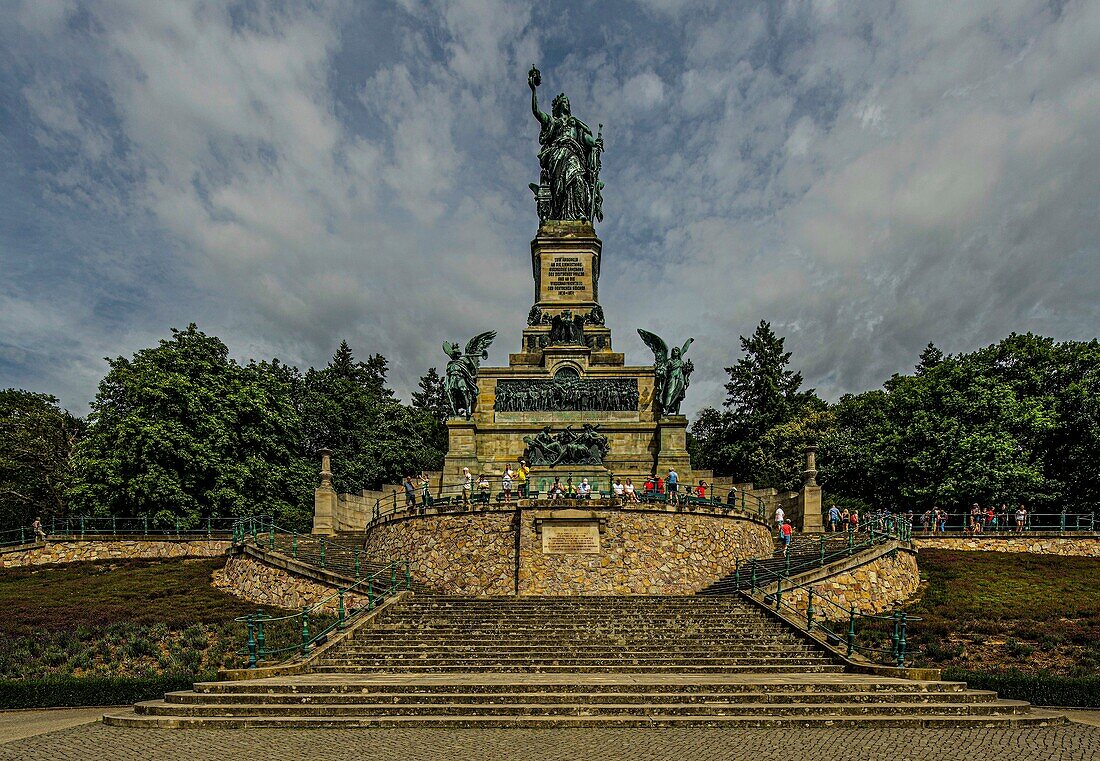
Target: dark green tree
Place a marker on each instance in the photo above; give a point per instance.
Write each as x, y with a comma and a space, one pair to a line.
36, 438
181, 431
373, 437
769, 420
763, 391
431, 402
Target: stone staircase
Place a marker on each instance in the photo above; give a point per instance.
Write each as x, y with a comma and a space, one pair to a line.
805, 551
338, 557
435, 634
575, 662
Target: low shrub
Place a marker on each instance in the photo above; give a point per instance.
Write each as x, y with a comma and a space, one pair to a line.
57, 691
1040, 689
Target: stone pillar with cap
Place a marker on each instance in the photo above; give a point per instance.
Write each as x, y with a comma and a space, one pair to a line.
809, 497
324, 498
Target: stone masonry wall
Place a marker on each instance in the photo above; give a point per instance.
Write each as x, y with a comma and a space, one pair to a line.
461, 554
644, 553
872, 587
256, 582
94, 549
640, 553
1041, 545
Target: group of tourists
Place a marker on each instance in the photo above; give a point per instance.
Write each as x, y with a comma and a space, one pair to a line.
512, 482
838, 519
979, 519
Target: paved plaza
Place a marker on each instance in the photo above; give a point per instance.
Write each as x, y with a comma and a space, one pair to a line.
99, 742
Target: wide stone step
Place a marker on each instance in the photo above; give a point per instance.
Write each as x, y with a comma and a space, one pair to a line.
609, 668
416, 659
661, 683
914, 720
715, 708
591, 650
577, 698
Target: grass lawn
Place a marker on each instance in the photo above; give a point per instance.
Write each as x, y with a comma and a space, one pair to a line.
994, 611
131, 618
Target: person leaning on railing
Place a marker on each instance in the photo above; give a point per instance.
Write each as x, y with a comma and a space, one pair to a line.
467, 486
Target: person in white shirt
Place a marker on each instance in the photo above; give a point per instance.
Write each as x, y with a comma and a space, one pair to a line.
467, 486
619, 489
584, 490
629, 489
506, 483
779, 516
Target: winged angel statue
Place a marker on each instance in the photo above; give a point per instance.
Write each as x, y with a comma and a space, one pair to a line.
671, 373
461, 380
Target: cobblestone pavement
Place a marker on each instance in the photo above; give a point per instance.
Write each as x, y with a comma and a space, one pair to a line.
99, 742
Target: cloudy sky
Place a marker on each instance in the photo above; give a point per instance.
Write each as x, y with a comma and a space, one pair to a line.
867, 176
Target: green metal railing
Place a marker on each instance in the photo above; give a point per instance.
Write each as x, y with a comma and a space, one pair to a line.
279, 638
117, 526
837, 623
453, 499
830, 548
1006, 523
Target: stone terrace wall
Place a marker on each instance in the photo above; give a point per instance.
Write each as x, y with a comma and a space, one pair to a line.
266, 586
872, 583
640, 553
76, 551
644, 553
1087, 546
461, 554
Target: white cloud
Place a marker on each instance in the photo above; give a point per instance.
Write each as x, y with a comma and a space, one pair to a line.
868, 176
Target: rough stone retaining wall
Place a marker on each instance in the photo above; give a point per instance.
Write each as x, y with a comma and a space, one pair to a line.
1087, 546
644, 554
76, 551
640, 553
461, 554
871, 585
257, 582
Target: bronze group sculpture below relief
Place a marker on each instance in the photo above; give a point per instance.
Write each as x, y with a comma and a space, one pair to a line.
568, 447
671, 373
460, 382
567, 395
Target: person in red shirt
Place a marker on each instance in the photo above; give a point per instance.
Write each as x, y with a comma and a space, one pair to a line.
702, 490
785, 532
660, 485
648, 487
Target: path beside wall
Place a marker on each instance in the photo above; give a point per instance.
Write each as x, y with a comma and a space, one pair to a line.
83, 550
1048, 544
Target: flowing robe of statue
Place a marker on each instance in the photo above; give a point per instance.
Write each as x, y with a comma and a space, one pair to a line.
679, 378
460, 381
570, 160
563, 158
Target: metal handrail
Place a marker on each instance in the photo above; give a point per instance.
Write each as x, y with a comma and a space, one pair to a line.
394, 577
454, 498
125, 526
784, 583
1005, 523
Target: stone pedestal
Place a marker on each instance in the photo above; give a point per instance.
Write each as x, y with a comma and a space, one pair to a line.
324, 499
672, 452
809, 499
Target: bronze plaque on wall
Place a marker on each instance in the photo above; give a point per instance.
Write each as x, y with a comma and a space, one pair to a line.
571, 538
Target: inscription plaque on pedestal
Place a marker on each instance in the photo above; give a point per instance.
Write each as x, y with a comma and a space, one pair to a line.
571, 538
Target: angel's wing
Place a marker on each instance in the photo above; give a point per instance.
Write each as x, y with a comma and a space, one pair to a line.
656, 345
449, 348
687, 343
479, 344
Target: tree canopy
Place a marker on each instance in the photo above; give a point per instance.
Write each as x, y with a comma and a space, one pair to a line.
36, 439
